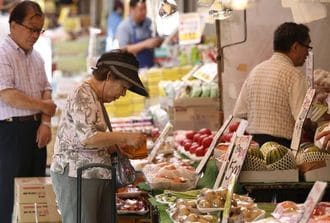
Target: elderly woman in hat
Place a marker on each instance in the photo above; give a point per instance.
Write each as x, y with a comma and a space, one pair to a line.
84, 137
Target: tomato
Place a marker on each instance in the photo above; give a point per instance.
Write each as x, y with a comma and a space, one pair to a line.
205, 131
227, 137
187, 146
196, 137
207, 141
200, 151
233, 126
190, 134
201, 138
193, 147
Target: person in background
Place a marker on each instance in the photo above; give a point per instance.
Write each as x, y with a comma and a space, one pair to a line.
115, 18
273, 93
83, 137
135, 34
25, 104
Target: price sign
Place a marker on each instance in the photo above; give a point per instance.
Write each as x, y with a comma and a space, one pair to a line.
314, 196
225, 159
300, 120
209, 152
237, 159
190, 28
159, 141
207, 72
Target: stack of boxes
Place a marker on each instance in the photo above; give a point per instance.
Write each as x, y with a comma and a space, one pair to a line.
35, 201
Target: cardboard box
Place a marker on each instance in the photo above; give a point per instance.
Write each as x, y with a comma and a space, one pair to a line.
196, 113
318, 174
270, 176
38, 212
34, 190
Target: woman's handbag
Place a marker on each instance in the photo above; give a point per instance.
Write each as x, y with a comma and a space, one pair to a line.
125, 172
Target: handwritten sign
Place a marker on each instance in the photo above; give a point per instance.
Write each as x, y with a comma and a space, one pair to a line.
159, 141
314, 196
227, 207
209, 152
237, 159
310, 69
300, 120
225, 159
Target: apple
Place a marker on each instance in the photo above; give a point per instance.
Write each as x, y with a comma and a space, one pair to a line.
226, 137
187, 146
190, 134
206, 142
200, 151
233, 126
193, 147
205, 131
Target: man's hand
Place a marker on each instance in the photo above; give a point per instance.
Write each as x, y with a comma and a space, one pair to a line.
326, 142
49, 107
44, 135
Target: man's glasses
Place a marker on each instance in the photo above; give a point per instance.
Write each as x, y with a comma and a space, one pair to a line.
32, 30
307, 46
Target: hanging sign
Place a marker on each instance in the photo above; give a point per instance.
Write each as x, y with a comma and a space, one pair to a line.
237, 159
190, 29
301, 119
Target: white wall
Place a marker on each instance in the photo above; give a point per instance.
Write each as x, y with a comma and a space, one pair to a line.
262, 19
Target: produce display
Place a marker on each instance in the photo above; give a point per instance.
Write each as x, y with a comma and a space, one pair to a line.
132, 205
165, 175
194, 144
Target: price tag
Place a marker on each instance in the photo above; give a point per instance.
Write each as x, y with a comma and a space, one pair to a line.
190, 28
159, 141
310, 69
209, 152
300, 120
314, 196
237, 159
242, 127
207, 72
226, 212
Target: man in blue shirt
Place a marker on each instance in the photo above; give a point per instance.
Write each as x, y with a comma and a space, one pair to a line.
135, 34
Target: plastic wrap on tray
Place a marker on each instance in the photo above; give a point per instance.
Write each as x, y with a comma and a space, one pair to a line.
170, 176
136, 205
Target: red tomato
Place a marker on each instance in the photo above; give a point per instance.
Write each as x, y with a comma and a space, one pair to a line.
201, 138
207, 141
196, 137
187, 146
200, 151
233, 126
205, 131
227, 136
190, 134
193, 147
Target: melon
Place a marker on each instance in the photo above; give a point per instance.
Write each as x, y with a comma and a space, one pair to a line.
276, 154
267, 146
254, 151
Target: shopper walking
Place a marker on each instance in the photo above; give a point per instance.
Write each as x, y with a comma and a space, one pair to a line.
273, 93
25, 104
83, 137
